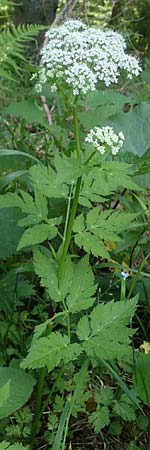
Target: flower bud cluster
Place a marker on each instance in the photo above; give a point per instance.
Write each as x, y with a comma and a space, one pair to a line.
81, 56
104, 139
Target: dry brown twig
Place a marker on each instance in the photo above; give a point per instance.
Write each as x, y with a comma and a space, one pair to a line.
68, 8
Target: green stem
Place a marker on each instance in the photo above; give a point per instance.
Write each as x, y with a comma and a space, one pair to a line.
37, 416
76, 131
90, 157
75, 200
68, 212
40, 409
123, 289
69, 230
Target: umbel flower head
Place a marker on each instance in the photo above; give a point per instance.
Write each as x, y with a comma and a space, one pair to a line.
104, 139
82, 56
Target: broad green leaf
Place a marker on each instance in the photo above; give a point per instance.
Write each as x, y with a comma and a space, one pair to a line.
104, 97
109, 337
143, 181
4, 393
102, 104
136, 127
21, 386
50, 351
32, 113
99, 418
141, 377
28, 110
135, 124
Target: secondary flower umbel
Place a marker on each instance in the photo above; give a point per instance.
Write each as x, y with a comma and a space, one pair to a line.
81, 56
104, 139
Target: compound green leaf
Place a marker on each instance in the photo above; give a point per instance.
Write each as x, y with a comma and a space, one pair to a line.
83, 329
99, 418
82, 287
105, 333
68, 169
46, 269
125, 408
50, 351
47, 182
36, 235
101, 227
101, 182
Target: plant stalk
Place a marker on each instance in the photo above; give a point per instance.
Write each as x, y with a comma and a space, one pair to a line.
75, 201
76, 131
37, 416
69, 229
43, 408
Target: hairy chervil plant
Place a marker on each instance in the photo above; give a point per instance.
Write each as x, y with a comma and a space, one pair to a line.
82, 56
73, 217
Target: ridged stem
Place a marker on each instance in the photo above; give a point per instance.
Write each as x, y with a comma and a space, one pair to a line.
75, 200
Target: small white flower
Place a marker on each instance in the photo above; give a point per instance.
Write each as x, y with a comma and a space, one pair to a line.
82, 56
124, 275
53, 88
104, 139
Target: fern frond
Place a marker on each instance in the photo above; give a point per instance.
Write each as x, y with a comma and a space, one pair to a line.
12, 45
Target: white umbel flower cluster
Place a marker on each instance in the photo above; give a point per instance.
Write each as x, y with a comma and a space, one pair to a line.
81, 56
105, 140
